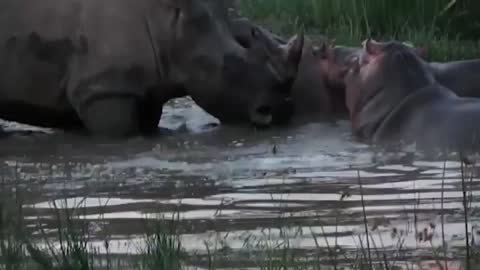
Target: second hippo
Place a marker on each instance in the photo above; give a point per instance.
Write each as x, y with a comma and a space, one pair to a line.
393, 96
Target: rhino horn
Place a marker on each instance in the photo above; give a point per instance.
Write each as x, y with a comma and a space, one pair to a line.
293, 49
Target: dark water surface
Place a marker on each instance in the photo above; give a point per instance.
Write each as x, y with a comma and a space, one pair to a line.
232, 183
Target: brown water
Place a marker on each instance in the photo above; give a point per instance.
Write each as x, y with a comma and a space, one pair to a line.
233, 183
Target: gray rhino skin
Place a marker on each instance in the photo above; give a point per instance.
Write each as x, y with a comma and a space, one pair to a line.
109, 66
311, 94
242, 30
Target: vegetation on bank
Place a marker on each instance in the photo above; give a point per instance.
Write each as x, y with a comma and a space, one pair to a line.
449, 29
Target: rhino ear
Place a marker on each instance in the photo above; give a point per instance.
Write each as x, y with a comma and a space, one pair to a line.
294, 48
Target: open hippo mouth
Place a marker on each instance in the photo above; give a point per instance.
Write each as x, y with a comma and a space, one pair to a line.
265, 110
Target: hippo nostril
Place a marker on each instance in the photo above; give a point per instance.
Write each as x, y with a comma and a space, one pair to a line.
264, 110
262, 116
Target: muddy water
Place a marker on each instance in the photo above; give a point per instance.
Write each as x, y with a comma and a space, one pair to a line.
234, 183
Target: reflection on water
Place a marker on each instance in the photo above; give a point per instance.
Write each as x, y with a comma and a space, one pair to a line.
235, 182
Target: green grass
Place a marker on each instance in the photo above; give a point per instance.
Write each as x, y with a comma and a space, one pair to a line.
73, 237
372, 17
163, 250
449, 32
12, 250
19, 250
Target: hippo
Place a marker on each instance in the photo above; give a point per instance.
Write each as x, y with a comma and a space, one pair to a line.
313, 98
107, 67
334, 64
460, 76
393, 96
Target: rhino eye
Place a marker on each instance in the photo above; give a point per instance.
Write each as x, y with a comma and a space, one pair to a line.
233, 67
243, 42
254, 32
285, 86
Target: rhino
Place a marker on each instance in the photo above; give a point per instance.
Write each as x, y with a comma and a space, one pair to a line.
314, 97
107, 67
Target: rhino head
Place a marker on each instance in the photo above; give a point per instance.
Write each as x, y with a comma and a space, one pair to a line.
233, 81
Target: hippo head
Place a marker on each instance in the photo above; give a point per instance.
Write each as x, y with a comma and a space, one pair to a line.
312, 97
235, 82
379, 78
334, 63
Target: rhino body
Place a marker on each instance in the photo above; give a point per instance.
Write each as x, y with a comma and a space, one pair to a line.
109, 66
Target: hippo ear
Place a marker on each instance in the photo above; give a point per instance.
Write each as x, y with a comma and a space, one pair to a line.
421, 51
294, 48
321, 52
371, 47
331, 42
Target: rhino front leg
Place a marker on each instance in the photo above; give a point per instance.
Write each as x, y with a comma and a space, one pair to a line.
112, 117
151, 113
152, 107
